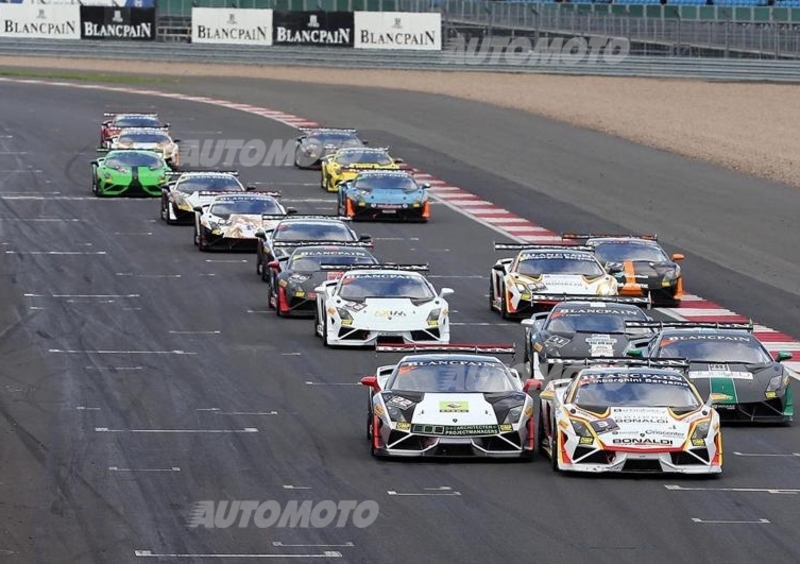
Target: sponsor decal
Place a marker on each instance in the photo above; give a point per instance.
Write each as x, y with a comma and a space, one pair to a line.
100, 22
586, 441
456, 431
698, 442
601, 345
604, 426
403, 426
313, 28
701, 374
232, 26
641, 441
354, 306
37, 21
702, 337
556, 342
453, 407
551, 256
398, 31
506, 427
390, 313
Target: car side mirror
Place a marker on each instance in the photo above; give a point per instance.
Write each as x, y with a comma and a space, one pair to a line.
166, 125
783, 355
499, 268
291, 211
371, 382
101, 150
198, 209
320, 289
531, 384
364, 237
250, 188
95, 163
365, 141
677, 257
176, 140
527, 322
515, 373
426, 185
260, 234
274, 265
635, 353
444, 292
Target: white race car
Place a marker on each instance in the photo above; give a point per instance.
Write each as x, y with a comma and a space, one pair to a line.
521, 285
189, 190
636, 417
391, 303
460, 403
151, 139
231, 221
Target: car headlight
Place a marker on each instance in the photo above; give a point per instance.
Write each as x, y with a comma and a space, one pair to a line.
671, 276
433, 317
395, 414
345, 316
514, 414
701, 430
777, 383
580, 428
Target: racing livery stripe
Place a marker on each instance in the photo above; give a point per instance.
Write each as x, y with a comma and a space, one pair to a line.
484, 212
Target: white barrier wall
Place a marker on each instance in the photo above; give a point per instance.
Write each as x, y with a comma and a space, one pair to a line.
40, 21
232, 26
398, 31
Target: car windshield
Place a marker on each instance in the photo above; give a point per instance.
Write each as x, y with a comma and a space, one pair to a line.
620, 251
386, 182
537, 264
337, 138
451, 376
137, 121
576, 319
255, 206
364, 157
636, 390
328, 231
310, 261
144, 138
715, 348
209, 184
385, 285
123, 159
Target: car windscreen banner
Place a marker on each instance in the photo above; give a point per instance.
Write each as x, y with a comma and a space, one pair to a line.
40, 21
398, 31
119, 24
323, 29
234, 26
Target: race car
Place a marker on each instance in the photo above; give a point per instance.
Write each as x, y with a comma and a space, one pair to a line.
449, 401
580, 328
384, 194
295, 231
153, 139
317, 143
293, 279
230, 221
639, 264
345, 164
629, 418
113, 123
728, 360
534, 279
382, 302
129, 173
189, 190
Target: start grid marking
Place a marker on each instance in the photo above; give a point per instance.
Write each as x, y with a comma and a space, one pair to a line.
486, 213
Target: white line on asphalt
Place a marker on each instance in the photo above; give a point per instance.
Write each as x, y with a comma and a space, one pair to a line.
348, 544
150, 554
32, 307
258, 311
720, 522
438, 489
498, 324
56, 252
291, 354
148, 275
470, 276
195, 332
131, 308
114, 368
82, 295
207, 274
675, 487
115, 469
333, 383
107, 430
143, 233
291, 487
84, 408
218, 411
40, 219
392, 492
82, 351
227, 260
767, 455
395, 238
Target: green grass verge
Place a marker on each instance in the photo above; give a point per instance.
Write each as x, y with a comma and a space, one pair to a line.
82, 76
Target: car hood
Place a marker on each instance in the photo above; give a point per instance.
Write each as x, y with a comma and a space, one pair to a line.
390, 313
244, 226
454, 409
393, 197
641, 428
569, 284
584, 344
740, 383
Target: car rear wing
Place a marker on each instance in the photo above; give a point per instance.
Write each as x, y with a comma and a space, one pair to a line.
384, 266
634, 300
585, 236
569, 367
323, 242
315, 129
538, 247
123, 149
142, 114
321, 216
477, 348
220, 193
688, 325
179, 173
150, 127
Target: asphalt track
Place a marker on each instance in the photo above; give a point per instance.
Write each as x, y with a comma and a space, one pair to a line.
80, 482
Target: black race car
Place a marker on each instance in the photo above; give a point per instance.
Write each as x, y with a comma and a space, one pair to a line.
293, 278
580, 328
293, 232
728, 360
315, 144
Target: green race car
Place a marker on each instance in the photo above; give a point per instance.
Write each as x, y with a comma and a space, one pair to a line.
129, 173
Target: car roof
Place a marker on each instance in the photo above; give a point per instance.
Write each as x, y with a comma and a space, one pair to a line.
397, 173
684, 331
244, 196
315, 221
201, 174
613, 371
362, 150
631, 240
563, 250
588, 304
451, 356
150, 130
334, 247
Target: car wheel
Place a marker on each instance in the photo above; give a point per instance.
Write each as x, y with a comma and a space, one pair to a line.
277, 293
258, 264
369, 425
503, 306
316, 323
264, 272
202, 244
325, 331
95, 191
540, 436
196, 237
491, 294
170, 211
554, 446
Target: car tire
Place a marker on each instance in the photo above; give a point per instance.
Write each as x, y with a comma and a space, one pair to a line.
325, 331
503, 306
196, 237
540, 431
491, 295
264, 273
276, 293
95, 191
554, 447
369, 425
202, 245
168, 218
316, 323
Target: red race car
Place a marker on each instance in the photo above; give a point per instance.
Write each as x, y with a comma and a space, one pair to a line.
115, 122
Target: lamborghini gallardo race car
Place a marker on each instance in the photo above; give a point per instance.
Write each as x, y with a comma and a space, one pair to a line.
539, 274
296, 231
629, 419
384, 194
157, 140
231, 221
449, 401
728, 360
382, 302
315, 144
114, 123
129, 173
293, 280
580, 328
345, 164
639, 264
189, 190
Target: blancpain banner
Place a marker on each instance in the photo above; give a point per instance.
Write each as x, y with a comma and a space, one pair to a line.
398, 30
39, 21
230, 25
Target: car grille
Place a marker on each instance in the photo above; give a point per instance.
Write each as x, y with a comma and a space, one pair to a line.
684, 458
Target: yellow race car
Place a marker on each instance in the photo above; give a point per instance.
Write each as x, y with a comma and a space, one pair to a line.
345, 164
